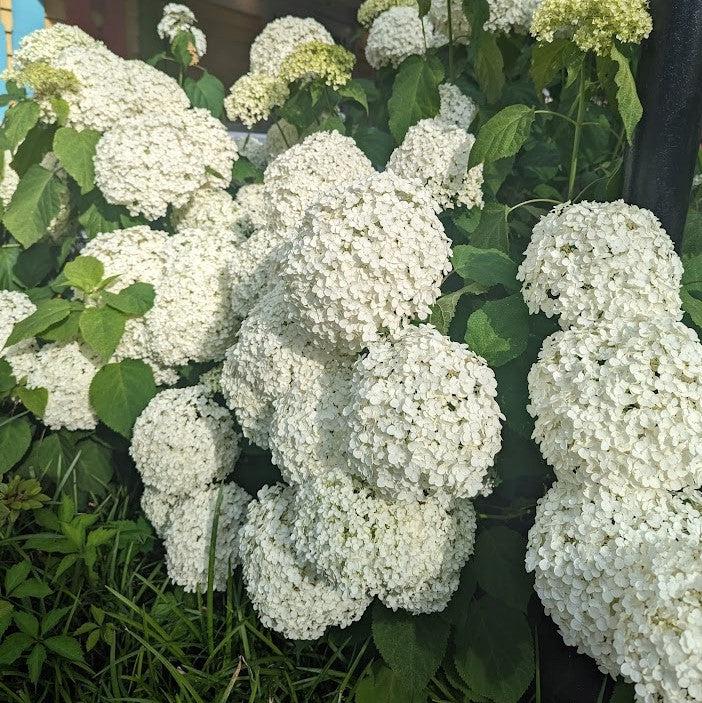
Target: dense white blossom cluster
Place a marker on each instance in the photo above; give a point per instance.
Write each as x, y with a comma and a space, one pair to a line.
436, 153
253, 96
9, 180
460, 25
359, 265
45, 45
179, 18
213, 210
456, 108
601, 262
423, 419
511, 14
251, 199
14, 306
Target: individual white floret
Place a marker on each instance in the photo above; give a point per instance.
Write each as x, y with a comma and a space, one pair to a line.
9, 181
259, 369
511, 14
600, 262
423, 419
253, 97
280, 136
408, 554
621, 576
212, 210
280, 38
184, 441
157, 507
621, 405
179, 18
14, 306
456, 108
254, 149
460, 25
251, 199
287, 594
436, 153
396, 34
192, 317
149, 162
44, 45
308, 434
65, 371
359, 266
295, 179
188, 535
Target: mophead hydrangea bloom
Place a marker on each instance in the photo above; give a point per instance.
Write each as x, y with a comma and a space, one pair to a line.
621, 405
370, 9
506, 15
423, 419
44, 45
154, 160
601, 262
620, 576
359, 268
436, 153
188, 535
183, 441
253, 97
456, 108
287, 593
295, 179
179, 18
215, 211
280, 38
157, 507
315, 60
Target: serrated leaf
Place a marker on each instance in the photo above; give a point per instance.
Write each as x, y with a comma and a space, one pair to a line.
19, 119
34, 205
65, 646
489, 66
8, 258
48, 313
7, 379
492, 231
207, 91
102, 330
411, 645
134, 300
84, 272
13, 646
35, 662
76, 152
382, 685
692, 306
494, 651
26, 622
628, 102
65, 331
15, 575
488, 267
32, 588
415, 93
180, 47
34, 399
502, 135
34, 264
15, 438
96, 215
443, 311
548, 59
119, 393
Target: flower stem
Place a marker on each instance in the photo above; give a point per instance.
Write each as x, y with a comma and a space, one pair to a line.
578, 134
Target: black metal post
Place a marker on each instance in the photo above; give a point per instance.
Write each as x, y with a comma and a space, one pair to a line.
660, 164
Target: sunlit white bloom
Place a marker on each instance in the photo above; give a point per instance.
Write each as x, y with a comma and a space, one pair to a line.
157, 507
14, 306
44, 45
253, 97
511, 14
212, 210
251, 199
456, 108
9, 180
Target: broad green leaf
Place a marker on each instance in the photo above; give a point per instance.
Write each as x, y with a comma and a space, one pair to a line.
13, 646
15, 438
692, 276
382, 685
119, 393
6, 610
411, 645
499, 330
489, 66
244, 172
34, 205
96, 215
207, 91
353, 90
7, 379
37, 144
492, 231
34, 399
65, 331
692, 237
35, 264
65, 646
443, 311
424, 7
19, 119
692, 306
35, 662
478, 12
415, 93
180, 48
76, 152
502, 135
499, 566
495, 652
15, 575
102, 330
630, 108
488, 267
84, 272
48, 313
376, 144
62, 109
26, 622
32, 588
8, 258
134, 300
550, 58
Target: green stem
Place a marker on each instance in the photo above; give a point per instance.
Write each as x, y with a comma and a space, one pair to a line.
532, 202
578, 135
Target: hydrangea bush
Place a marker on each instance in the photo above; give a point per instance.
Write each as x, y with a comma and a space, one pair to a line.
324, 359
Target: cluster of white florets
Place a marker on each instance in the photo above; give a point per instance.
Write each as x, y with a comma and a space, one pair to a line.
436, 153
253, 97
14, 306
616, 400
179, 18
9, 180
45, 45
213, 210
456, 108
511, 14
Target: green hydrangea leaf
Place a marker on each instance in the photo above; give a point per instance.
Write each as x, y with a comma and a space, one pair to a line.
488, 267
19, 119
382, 685
134, 300
76, 152
34, 399
503, 135
628, 102
48, 313
84, 272
102, 329
15, 438
207, 91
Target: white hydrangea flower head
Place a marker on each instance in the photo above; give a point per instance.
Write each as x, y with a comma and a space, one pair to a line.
187, 536
398, 33
436, 153
259, 369
151, 161
308, 434
329, 63
253, 97
251, 199
9, 181
134, 254
280, 38
65, 371
254, 149
184, 441
192, 318
179, 18
601, 262
423, 417
456, 108
14, 306
409, 554
45, 45
279, 138
621, 405
370, 9
359, 266
295, 179
287, 594
511, 14
460, 25
212, 210
157, 507
620, 577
